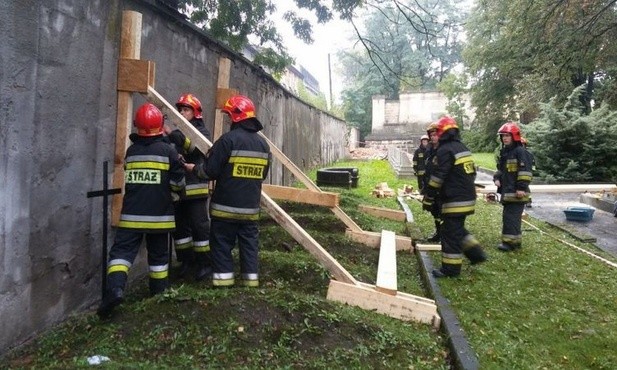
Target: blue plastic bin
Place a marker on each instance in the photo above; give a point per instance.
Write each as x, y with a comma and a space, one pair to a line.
583, 214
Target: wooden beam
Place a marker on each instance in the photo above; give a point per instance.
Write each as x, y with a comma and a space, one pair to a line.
388, 213
303, 178
130, 48
401, 306
301, 195
222, 95
135, 75
310, 244
373, 239
557, 188
386, 268
221, 83
428, 247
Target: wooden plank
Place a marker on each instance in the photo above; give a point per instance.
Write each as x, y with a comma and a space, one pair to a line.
135, 75
276, 212
310, 244
402, 306
373, 239
222, 82
386, 268
391, 214
301, 195
130, 48
222, 95
557, 188
303, 178
428, 247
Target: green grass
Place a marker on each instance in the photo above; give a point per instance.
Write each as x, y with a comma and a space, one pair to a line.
545, 307
485, 160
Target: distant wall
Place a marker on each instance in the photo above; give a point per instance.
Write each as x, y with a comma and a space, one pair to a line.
58, 62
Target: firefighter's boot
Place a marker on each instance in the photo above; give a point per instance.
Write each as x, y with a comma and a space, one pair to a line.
186, 258
158, 286
113, 297
204, 266
114, 294
447, 270
475, 254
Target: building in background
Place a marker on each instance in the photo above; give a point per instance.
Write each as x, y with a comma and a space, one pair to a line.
293, 77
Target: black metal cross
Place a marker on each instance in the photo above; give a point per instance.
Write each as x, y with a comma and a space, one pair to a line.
105, 193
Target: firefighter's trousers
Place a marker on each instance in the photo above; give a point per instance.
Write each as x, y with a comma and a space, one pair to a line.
123, 253
511, 234
223, 237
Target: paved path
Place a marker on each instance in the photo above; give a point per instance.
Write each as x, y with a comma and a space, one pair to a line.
549, 207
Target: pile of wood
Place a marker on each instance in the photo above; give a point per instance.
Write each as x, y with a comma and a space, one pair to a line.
382, 190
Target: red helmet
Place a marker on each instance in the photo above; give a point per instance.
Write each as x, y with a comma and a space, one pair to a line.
444, 124
512, 129
239, 108
148, 120
189, 100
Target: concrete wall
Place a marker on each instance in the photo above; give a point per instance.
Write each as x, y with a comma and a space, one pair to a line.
422, 108
58, 61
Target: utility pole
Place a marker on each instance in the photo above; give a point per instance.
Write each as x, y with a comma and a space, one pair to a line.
330, 81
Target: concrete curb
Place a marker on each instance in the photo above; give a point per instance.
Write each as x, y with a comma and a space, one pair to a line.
463, 356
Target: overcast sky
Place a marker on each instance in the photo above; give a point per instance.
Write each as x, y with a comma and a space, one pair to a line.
329, 38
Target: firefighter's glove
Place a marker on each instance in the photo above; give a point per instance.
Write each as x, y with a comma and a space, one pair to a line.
427, 203
177, 138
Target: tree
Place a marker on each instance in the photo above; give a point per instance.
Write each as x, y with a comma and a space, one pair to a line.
524, 52
405, 46
233, 21
412, 44
571, 146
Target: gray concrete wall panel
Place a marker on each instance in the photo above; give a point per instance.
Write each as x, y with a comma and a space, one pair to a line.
58, 71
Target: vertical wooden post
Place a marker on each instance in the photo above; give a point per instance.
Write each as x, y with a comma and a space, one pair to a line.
222, 82
130, 48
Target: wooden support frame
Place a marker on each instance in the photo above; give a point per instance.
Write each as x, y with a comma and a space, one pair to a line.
222, 83
301, 176
138, 76
386, 268
301, 195
373, 239
388, 213
130, 48
402, 306
135, 75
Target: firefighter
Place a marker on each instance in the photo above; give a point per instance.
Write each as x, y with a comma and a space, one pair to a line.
430, 163
192, 235
418, 161
512, 178
452, 181
239, 162
153, 178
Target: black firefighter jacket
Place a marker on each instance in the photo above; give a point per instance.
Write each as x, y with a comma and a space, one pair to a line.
196, 183
514, 172
239, 161
453, 176
152, 172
